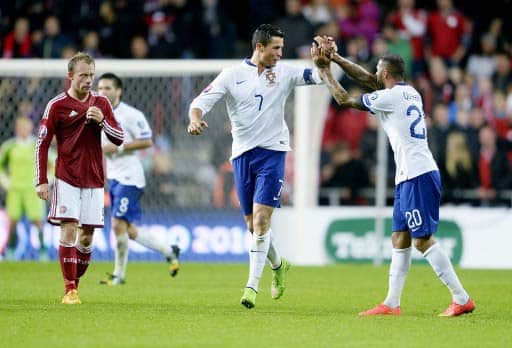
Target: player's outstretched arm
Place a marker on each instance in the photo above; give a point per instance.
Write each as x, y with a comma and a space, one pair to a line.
357, 72
196, 124
338, 92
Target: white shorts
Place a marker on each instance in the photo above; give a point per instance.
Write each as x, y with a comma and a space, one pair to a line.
82, 205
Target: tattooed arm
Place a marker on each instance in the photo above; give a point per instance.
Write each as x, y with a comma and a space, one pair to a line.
338, 92
357, 72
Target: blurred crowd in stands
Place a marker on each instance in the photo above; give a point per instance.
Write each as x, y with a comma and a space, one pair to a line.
458, 59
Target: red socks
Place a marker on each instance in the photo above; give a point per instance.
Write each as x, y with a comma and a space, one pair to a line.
68, 266
83, 255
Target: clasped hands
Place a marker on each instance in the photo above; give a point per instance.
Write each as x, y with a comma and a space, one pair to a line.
323, 50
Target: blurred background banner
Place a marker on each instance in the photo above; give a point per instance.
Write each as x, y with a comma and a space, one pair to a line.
472, 237
203, 236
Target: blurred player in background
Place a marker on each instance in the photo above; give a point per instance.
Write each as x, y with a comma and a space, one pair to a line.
255, 92
126, 181
17, 170
77, 118
418, 183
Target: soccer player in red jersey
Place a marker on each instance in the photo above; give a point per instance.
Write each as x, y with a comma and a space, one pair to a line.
76, 118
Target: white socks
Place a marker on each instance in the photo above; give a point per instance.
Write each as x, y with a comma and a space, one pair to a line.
144, 238
257, 256
121, 256
444, 270
274, 258
400, 264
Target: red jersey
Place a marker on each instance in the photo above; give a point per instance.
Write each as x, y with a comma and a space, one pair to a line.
446, 33
79, 154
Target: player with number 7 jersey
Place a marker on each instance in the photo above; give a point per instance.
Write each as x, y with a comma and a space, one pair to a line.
255, 92
418, 183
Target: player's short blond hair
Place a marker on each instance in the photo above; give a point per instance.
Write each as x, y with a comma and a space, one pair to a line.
79, 57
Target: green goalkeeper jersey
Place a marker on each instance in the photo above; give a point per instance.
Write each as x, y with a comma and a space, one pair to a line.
17, 159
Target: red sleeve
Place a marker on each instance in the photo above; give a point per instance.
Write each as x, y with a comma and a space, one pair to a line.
112, 129
44, 139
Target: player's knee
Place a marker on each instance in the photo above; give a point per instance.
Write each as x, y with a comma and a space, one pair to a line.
119, 226
261, 223
401, 240
423, 244
68, 232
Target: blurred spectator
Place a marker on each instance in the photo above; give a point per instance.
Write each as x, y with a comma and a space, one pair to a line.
53, 40
139, 48
493, 167
502, 76
18, 44
442, 88
412, 25
483, 63
368, 149
461, 102
318, 12
91, 44
109, 30
459, 171
359, 17
129, 23
477, 121
344, 125
162, 41
496, 31
449, 32
217, 31
344, 171
68, 52
298, 30
400, 46
438, 132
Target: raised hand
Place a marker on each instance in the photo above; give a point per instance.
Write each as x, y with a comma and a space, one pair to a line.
319, 48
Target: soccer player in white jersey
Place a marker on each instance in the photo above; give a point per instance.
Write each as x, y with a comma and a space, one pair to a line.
126, 181
418, 183
255, 93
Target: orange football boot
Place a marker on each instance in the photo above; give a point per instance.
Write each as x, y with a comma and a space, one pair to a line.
381, 309
454, 310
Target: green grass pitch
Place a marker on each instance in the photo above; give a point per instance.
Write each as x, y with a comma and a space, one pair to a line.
200, 308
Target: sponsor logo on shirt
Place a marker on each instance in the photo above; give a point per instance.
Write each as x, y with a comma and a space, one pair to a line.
239, 82
73, 113
62, 209
42, 132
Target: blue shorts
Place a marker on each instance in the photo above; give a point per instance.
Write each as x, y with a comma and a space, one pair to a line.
259, 177
124, 201
416, 207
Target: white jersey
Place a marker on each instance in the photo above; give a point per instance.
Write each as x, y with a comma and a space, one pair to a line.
400, 110
127, 167
255, 104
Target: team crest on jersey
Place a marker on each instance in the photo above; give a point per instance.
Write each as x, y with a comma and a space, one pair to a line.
42, 132
271, 77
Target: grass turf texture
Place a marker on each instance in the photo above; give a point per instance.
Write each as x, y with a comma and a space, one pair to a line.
200, 308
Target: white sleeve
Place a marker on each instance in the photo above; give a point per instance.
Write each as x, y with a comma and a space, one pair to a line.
213, 93
140, 127
304, 76
378, 101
